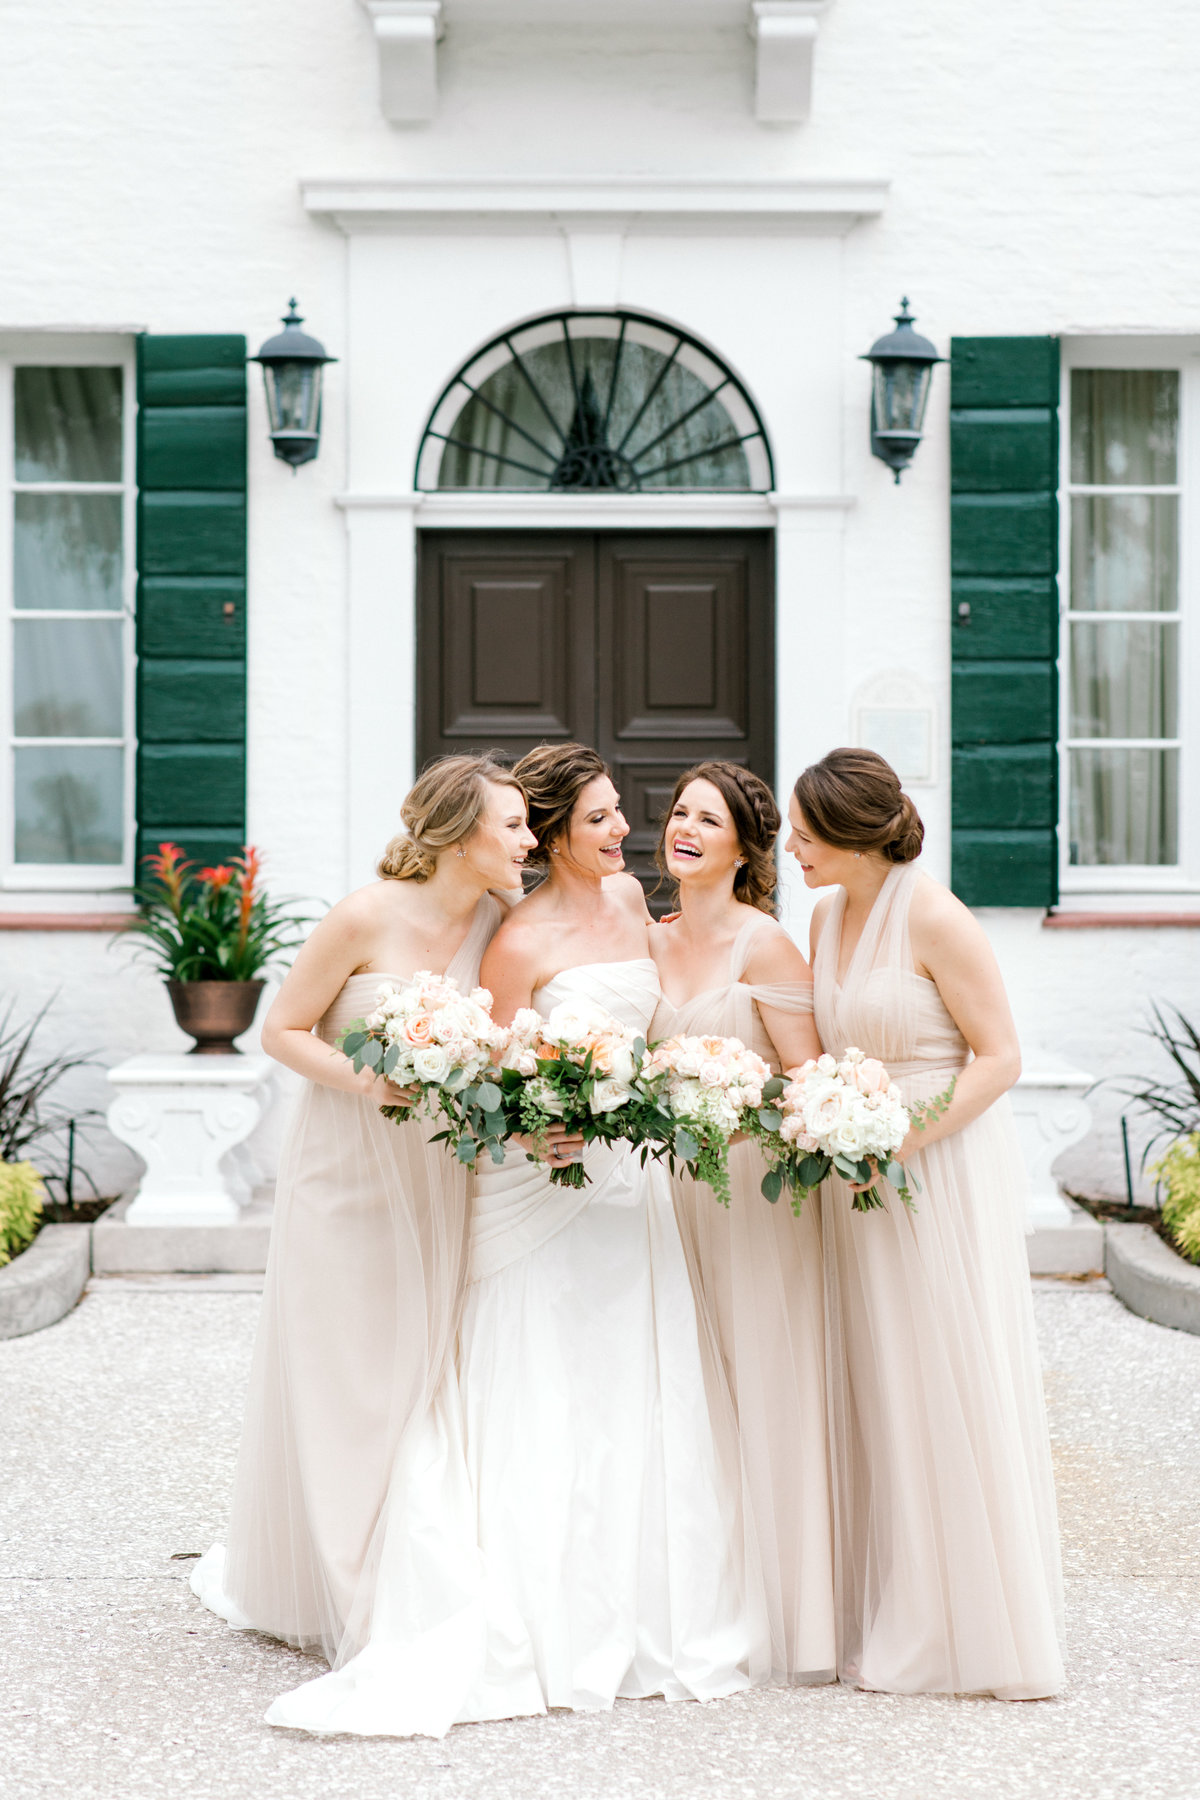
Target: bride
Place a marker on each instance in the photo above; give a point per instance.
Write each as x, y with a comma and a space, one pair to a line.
568, 1529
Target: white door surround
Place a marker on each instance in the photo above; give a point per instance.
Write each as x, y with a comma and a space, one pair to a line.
436, 267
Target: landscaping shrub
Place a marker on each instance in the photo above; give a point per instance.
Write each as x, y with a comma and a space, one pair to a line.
1179, 1172
21, 1199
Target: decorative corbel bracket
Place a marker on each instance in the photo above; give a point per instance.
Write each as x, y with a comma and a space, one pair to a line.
785, 35
407, 33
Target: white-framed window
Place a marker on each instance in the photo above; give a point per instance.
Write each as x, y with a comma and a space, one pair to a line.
1128, 724
67, 537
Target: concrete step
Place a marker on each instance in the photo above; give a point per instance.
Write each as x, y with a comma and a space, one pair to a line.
1073, 1247
239, 1248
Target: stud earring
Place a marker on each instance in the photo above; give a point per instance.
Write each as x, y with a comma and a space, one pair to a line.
460, 851
858, 856
739, 862
554, 849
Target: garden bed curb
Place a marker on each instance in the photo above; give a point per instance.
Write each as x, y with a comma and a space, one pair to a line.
45, 1281
1151, 1280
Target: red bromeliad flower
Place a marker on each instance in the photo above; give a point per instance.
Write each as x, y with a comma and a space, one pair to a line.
220, 877
249, 865
171, 867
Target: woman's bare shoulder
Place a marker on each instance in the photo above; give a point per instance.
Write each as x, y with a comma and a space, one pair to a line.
628, 890
774, 955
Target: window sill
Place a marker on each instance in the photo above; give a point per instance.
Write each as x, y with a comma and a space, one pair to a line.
64, 921
1091, 921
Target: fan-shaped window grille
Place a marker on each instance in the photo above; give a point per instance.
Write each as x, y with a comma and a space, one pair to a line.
595, 401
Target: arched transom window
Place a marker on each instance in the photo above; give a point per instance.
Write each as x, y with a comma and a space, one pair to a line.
594, 401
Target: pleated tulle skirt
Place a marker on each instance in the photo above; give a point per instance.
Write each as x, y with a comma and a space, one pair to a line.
947, 1573
757, 1270
360, 1304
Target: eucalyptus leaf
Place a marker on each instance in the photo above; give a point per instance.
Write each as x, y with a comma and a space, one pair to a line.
488, 1095
465, 1150
811, 1170
353, 1041
895, 1174
769, 1119
371, 1053
773, 1088
686, 1146
772, 1185
391, 1057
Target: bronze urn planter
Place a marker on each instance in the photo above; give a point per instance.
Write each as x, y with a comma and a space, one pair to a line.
214, 1012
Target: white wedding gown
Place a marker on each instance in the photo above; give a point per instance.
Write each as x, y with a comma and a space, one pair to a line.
565, 1526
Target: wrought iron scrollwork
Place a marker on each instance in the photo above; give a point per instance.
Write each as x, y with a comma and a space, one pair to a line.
586, 401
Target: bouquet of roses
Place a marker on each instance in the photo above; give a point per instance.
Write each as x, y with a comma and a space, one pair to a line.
425, 1033
577, 1068
845, 1116
700, 1091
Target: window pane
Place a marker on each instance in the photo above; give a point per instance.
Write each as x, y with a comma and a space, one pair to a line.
67, 552
1124, 807
68, 424
1124, 679
1125, 553
1124, 425
67, 678
69, 805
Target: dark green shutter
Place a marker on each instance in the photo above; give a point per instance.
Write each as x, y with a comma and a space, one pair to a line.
191, 625
1004, 620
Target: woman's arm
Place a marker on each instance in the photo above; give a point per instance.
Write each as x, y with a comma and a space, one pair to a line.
952, 949
775, 959
339, 945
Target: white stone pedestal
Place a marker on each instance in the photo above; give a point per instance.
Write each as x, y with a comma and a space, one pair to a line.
188, 1117
1052, 1114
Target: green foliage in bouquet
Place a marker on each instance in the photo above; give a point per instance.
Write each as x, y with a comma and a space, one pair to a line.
1179, 1172
212, 924
21, 1199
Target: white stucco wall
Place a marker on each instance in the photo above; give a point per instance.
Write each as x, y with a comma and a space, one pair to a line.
1040, 165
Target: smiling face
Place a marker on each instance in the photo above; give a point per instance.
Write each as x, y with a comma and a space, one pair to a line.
823, 865
497, 848
598, 828
700, 843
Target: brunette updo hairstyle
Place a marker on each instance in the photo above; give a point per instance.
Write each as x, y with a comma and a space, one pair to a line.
852, 799
552, 778
756, 820
442, 808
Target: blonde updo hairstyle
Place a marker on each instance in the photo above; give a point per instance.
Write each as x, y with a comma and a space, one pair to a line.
852, 799
552, 778
442, 809
756, 820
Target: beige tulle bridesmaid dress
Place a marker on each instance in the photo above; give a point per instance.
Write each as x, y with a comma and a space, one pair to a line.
361, 1303
757, 1273
947, 1562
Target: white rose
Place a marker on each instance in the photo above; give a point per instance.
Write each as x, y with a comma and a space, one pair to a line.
621, 1063
607, 1095
526, 1022
544, 1096
827, 1064
432, 1063
712, 1074
526, 1063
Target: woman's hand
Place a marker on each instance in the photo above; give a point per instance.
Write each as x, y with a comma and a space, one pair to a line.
557, 1147
384, 1092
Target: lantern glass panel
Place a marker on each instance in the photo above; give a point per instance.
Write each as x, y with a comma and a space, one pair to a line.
293, 396
901, 393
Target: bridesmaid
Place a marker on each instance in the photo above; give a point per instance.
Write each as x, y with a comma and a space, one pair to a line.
947, 1571
728, 969
366, 1267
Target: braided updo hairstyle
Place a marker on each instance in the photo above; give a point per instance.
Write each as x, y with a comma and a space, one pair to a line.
852, 799
552, 778
756, 820
441, 809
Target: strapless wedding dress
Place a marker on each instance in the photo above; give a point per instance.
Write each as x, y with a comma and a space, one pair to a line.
567, 1528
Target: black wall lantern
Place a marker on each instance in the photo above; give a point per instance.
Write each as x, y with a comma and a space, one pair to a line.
902, 368
292, 363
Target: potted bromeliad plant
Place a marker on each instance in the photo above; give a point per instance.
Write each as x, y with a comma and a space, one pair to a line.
1175, 1105
212, 934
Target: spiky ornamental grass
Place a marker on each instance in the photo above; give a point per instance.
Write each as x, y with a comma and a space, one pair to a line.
30, 1118
22, 1197
1179, 1172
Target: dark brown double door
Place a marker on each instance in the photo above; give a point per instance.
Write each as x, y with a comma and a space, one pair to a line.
657, 648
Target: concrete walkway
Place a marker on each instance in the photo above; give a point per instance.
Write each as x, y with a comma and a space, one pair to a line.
119, 1428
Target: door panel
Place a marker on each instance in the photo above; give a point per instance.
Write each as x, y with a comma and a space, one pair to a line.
684, 666
504, 632
658, 648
